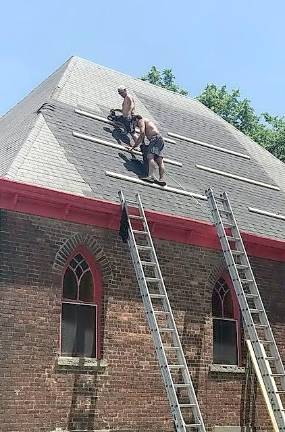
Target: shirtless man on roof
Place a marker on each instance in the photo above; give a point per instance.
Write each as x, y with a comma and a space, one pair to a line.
128, 110
153, 151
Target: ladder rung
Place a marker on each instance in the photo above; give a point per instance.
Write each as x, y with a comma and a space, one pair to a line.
134, 203
266, 341
242, 266
228, 224
261, 325
224, 211
187, 405
181, 385
136, 217
269, 358
148, 263
161, 312
192, 425
277, 375
167, 330
279, 391
245, 281
237, 252
140, 247
231, 238
251, 296
176, 366
157, 296
174, 348
152, 279
255, 311
139, 232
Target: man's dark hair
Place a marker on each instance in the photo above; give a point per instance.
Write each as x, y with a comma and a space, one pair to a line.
137, 117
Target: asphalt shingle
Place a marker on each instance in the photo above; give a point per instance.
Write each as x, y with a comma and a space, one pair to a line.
51, 155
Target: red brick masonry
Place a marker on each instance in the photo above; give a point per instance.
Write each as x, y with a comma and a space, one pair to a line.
125, 391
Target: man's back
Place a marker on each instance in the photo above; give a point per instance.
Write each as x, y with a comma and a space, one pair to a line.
128, 105
150, 128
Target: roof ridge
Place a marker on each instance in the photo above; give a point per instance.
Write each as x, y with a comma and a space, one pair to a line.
70, 63
17, 161
16, 124
185, 97
36, 88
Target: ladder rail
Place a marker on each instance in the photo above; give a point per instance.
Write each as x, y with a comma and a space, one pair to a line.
170, 318
165, 368
263, 318
151, 317
247, 311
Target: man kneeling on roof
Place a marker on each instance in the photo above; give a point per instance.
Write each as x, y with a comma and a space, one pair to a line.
153, 151
128, 109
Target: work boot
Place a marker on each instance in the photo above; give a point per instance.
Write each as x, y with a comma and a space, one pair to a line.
161, 182
148, 179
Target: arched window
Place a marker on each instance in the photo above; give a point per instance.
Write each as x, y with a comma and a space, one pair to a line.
81, 307
225, 325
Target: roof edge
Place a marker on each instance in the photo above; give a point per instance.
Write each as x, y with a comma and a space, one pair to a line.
39, 201
63, 66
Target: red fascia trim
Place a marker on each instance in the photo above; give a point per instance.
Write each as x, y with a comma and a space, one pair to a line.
40, 201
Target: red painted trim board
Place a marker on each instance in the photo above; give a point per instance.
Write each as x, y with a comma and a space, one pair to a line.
40, 201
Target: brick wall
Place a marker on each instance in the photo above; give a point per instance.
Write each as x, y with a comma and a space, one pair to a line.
39, 395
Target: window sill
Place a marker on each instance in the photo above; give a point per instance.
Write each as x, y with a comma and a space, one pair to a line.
226, 368
85, 363
94, 430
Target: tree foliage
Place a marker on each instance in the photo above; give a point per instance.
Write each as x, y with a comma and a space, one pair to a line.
275, 135
267, 130
164, 78
230, 106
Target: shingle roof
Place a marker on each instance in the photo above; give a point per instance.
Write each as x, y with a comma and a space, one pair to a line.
19, 121
43, 150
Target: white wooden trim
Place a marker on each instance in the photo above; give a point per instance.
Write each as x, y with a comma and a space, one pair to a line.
237, 177
261, 384
212, 146
266, 213
104, 120
154, 185
118, 146
169, 140
93, 116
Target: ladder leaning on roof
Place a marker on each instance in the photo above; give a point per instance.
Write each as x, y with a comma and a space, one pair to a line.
255, 320
177, 379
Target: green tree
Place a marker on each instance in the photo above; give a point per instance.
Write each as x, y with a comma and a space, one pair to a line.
267, 130
230, 106
164, 78
275, 135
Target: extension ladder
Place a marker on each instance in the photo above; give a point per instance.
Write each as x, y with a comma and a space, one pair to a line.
255, 320
177, 380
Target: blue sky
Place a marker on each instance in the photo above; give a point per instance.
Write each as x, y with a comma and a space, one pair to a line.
238, 43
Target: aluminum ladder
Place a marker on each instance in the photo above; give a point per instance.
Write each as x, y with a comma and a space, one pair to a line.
255, 320
177, 379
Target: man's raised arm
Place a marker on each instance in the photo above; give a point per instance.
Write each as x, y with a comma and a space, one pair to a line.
139, 139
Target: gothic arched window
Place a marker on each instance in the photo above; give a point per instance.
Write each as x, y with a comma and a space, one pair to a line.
81, 301
225, 325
